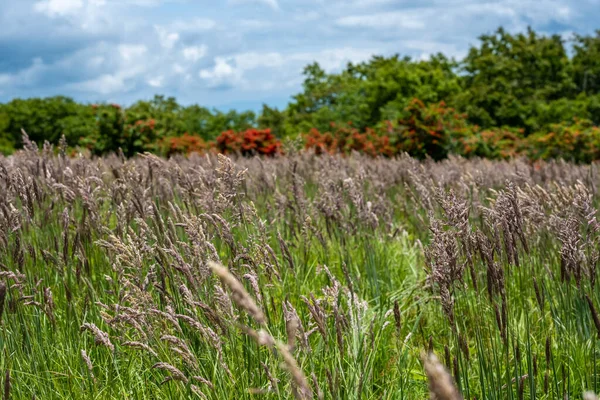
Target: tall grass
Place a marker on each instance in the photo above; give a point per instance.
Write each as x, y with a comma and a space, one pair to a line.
299, 276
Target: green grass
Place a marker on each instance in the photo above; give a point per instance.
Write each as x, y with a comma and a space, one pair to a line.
133, 238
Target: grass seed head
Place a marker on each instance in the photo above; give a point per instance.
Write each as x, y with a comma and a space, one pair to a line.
238, 293
441, 385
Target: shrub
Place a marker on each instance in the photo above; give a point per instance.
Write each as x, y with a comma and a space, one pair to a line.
140, 136
346, 139
432, 130
493, 143
248, 142
578, 142
184, 144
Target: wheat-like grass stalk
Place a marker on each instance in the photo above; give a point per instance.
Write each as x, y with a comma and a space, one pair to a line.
441, 385
100, 337
238, 293
88, 363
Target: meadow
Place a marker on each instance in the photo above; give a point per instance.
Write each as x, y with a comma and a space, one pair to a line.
298, 276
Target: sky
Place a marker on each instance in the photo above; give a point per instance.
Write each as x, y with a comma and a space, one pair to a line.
239, 54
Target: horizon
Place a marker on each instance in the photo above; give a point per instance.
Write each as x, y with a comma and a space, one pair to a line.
241, 53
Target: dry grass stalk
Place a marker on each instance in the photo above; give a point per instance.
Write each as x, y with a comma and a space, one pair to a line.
140, 346
100, 337
273, 382
397, 317
49, 304
239, 294
441, 385
301, 388
175, 373
203, 381
88, 362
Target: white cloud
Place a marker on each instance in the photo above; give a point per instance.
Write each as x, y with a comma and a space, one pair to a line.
222, 72
194, 53
271, 3
167, 39
123, 69
58, 8
156, 81
399, 19
84, 16
334, 59
252, 60
105, 84
255, 24
178, 69
307, 16
240, 69
131, 52
427, 48
193, 25
540, 12
4, 79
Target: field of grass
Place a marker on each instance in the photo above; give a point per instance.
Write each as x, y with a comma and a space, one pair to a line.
300, 276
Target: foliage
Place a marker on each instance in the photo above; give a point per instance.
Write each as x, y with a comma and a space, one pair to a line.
493, 143
507, 75
432, 130
348, 139
184, 144
429, 130
370, 92
44, 119
586, 63
104, 128
248, 142
108, 135
578, 141
508, 87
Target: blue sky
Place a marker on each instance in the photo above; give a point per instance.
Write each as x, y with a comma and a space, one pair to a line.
239, 53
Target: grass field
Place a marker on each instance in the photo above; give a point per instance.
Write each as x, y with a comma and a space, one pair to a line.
299, 276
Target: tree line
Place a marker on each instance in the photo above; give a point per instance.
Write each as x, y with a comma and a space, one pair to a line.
529, 84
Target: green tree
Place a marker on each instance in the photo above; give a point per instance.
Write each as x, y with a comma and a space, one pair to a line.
42, 118
586, 63
372, 91
508, 76
273, 119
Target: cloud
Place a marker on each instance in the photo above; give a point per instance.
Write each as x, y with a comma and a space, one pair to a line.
398, 20
333, 60
194, 53
105, 84
271, 3
5, 79
253, 60
26, 77
156, 81
132, 52
167, 39
240, 69
58, 8
252, 50
222, 73
192, 25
